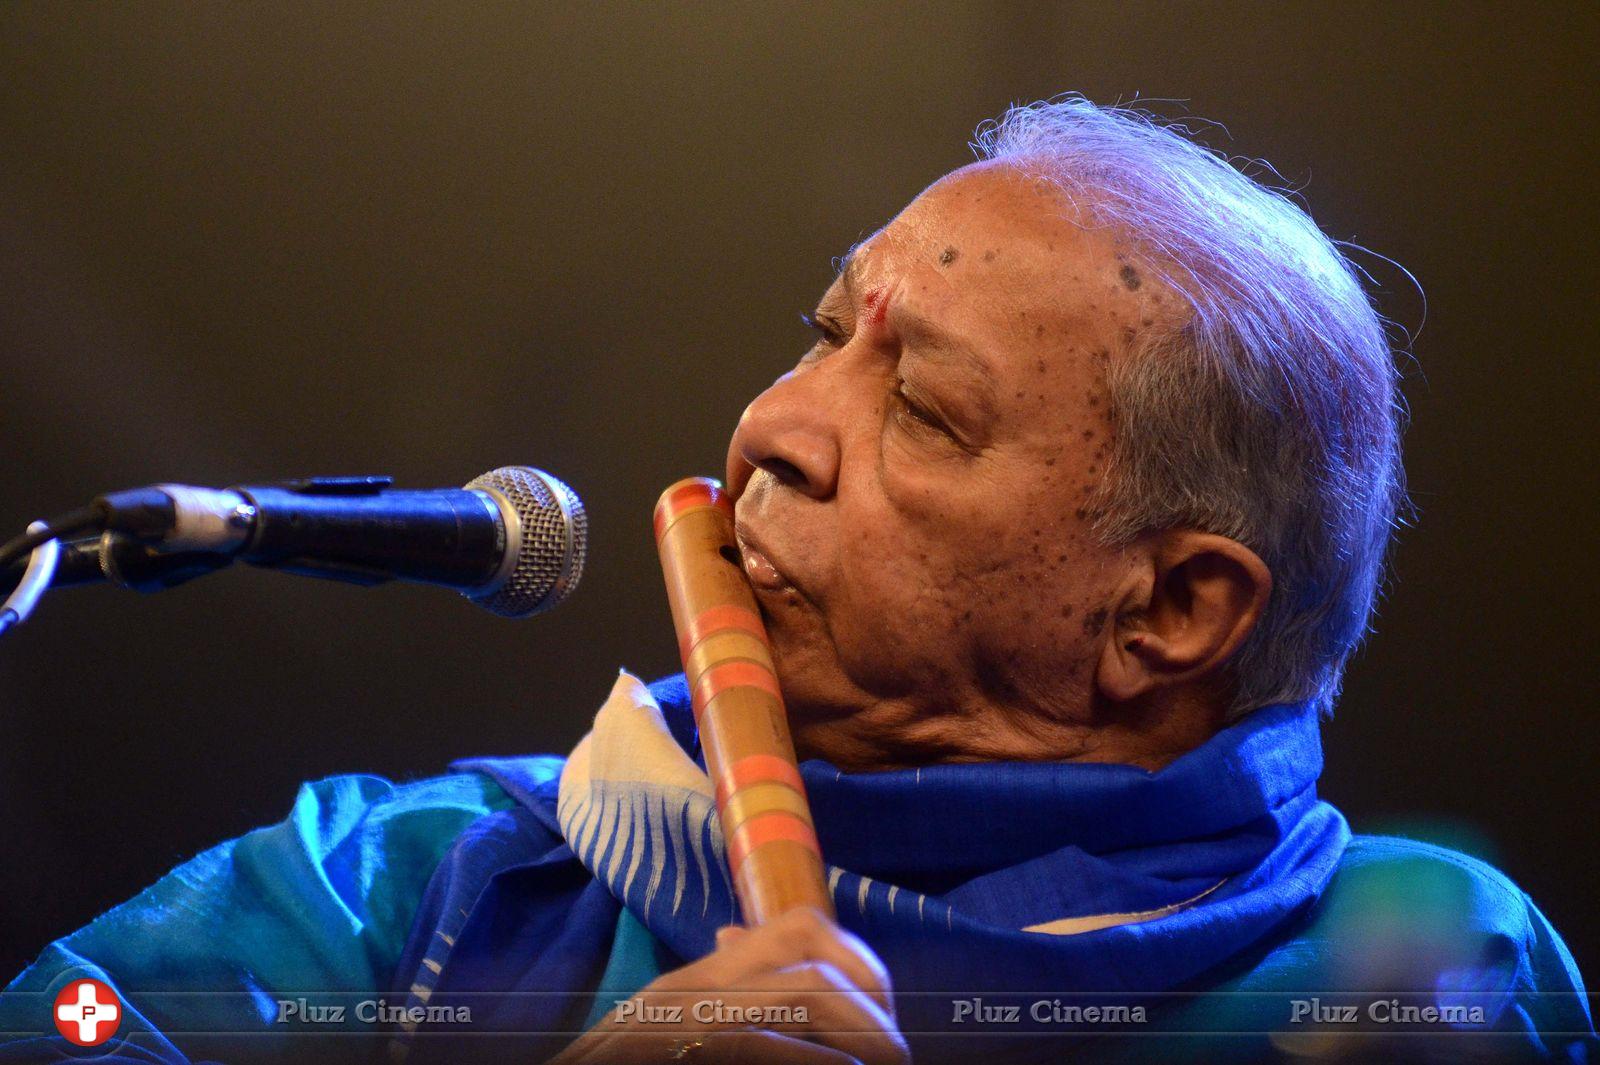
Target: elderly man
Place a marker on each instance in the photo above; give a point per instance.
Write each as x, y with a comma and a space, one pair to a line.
1064, 530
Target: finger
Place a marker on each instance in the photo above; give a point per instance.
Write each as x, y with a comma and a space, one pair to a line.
728, 933
813, 999
741, 1046
798, 936
838, 1013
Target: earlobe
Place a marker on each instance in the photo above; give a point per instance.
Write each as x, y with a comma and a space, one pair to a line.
1203, 596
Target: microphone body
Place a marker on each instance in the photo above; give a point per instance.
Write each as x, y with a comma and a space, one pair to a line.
513, 540
453, 537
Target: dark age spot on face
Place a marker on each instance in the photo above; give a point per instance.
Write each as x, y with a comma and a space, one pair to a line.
1038, 330
1066, 611
1094, 622
1130, 277
1088, 434
1041, 366
989, 255
950, 255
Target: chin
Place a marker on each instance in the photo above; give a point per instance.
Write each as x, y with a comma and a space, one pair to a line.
816, 684
814, 687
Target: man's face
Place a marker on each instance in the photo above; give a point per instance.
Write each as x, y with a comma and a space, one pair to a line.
911, 498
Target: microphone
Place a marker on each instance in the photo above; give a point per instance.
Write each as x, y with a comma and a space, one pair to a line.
513, 540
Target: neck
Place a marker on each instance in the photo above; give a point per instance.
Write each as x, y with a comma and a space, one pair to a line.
894, 734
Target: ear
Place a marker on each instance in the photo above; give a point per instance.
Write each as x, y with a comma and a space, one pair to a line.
1190, 608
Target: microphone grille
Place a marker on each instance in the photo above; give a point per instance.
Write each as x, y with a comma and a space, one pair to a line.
551, 542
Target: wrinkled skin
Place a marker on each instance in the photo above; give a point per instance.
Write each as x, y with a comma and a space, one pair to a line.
912, 508
911, 497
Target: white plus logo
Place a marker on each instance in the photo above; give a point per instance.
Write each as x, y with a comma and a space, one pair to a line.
87, 1012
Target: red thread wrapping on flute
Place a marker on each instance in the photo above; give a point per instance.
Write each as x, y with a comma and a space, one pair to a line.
720, 619
757, 769
698, 492
737, 674
767, 828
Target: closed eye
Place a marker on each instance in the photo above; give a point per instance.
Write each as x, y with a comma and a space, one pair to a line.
916, 410
828, 331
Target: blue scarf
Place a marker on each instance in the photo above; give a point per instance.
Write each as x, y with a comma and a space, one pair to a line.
1057, 878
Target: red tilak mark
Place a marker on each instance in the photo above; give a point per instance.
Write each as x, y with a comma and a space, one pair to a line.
877, 305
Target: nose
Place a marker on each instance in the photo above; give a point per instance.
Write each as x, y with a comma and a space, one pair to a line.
787, 432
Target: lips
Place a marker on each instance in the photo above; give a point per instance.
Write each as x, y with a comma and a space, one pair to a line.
758, 566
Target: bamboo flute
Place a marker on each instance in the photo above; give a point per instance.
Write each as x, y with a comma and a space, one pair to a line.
772, 847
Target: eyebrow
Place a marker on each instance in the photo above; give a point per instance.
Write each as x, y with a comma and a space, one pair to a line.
845, 268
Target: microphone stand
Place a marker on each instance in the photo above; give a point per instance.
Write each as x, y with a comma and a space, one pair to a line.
117, 559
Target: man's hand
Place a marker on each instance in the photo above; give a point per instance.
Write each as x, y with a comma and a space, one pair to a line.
802, 961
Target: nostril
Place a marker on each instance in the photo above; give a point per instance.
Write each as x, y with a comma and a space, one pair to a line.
785, 471
731, 553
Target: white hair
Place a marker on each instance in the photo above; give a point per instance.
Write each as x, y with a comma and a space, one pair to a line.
1270, 416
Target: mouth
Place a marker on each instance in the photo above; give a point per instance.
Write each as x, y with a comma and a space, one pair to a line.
758, 565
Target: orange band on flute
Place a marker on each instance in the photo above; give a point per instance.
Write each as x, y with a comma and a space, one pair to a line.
767, 828
695, 492
741, 674
758, 769
718, 618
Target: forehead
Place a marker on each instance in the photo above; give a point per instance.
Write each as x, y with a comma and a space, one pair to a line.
998, 254
991, 199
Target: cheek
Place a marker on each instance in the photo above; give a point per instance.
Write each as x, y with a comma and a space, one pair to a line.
923, 560
942, 562
1034, 587
901, 587
1045, 589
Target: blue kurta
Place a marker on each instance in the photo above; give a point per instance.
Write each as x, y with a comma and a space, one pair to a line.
1232, 890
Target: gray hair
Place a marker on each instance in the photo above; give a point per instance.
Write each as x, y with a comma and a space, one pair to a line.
1271, 415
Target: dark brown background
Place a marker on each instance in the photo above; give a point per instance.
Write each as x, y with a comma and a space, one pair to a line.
246, 243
